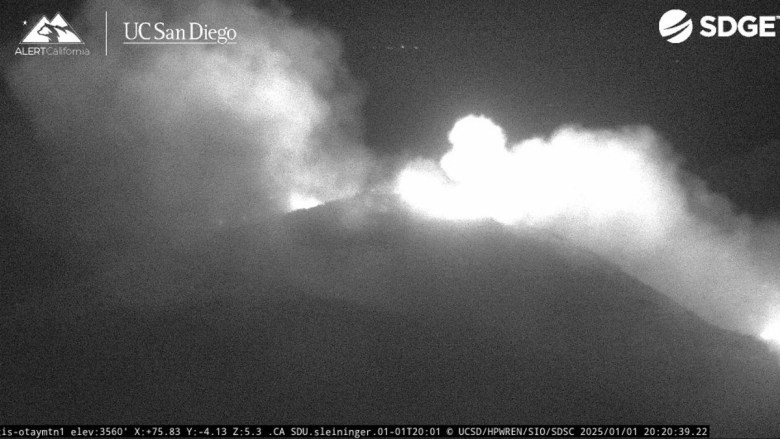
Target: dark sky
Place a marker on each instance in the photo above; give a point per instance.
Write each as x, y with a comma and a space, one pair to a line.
535, 65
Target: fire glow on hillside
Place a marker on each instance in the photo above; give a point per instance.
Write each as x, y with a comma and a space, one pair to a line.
616, 192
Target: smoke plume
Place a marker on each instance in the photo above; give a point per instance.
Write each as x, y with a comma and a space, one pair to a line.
154, 143
164, 140
621, 194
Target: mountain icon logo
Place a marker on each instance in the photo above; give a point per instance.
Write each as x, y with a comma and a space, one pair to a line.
56, 31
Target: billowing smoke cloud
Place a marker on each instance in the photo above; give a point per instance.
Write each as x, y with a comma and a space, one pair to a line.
175, 138
621, 194
156, 142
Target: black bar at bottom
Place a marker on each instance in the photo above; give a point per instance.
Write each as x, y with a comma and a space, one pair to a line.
353, 431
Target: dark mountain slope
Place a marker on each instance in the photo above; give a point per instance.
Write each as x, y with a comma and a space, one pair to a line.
356, 312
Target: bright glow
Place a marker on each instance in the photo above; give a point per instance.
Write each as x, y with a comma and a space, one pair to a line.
298, 201
427, 190
586, 175
478, 149
771, 333
616, 193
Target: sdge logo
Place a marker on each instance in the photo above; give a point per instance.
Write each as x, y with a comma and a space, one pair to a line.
676, 27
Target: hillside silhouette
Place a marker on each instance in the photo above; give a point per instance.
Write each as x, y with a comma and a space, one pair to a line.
358, 312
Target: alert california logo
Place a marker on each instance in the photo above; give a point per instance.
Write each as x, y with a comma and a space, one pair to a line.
55, 37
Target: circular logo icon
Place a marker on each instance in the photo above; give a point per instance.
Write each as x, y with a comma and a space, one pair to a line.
674, 27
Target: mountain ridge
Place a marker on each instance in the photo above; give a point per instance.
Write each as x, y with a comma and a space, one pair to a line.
308, 320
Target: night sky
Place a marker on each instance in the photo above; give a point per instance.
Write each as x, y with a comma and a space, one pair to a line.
220, 234
535, 65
